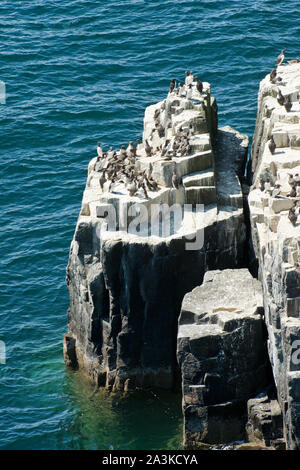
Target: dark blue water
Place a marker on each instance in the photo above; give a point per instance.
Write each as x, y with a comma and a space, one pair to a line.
77, 72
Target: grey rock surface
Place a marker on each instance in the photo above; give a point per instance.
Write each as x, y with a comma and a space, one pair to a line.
221, 350
126, 290
276, 240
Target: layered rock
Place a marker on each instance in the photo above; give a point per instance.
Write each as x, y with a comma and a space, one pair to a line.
276, 239
126, 289
265, 424
221, 350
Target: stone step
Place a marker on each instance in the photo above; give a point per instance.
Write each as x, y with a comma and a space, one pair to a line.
200, 195
199, 178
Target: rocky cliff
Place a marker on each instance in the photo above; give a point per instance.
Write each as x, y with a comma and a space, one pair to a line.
222, 354
273, 201
126, 288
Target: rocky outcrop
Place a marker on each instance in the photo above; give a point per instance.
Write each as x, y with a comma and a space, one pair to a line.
265, 424
221, 350
276, 239
126, 289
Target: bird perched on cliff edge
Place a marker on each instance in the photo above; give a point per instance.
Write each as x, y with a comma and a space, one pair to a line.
280, 98
280, 58
292, 215
176, 181
273, 75
199, 85
272, 145
99, 150
288, 105
102, 180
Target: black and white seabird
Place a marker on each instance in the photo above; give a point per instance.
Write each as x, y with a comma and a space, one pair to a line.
176, 181
199, 85
272, 145
280, 98
273, 75
102, 180
292, 215
148, 149
288, 104
99, 150
280, 58
293, 191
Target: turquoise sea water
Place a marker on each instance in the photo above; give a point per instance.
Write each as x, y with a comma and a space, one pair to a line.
76, 72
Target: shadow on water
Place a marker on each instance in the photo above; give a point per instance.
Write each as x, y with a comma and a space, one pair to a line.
144, 420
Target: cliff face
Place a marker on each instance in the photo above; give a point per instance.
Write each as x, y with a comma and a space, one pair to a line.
276, 239
126, 289
222, 354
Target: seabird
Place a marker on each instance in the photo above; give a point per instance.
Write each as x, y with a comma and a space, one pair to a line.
131, 188
99, 149
123, 154
150, 168
180, 89
186, 81
288, 105
292, 215
148, 149
272, 145
297, 179
273, 75
102, 180
144, 189
293, 192
280, 98
157, 113
291, 180
261, 184
189, 92
176, 181
280, 58
276, 191
199, 85
268, 186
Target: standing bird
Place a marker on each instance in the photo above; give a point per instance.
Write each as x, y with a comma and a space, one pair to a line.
276, 191
199, 85
186, 80
148, 149
176, 181
261, 184
280, 58
150, 168
291, 180
280, 98
131, 188
293, 191
102, 180
99, 150
157, 113
297, 179
292, 215
172, 85
288, 105
273, 75
272, 145
110, 153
